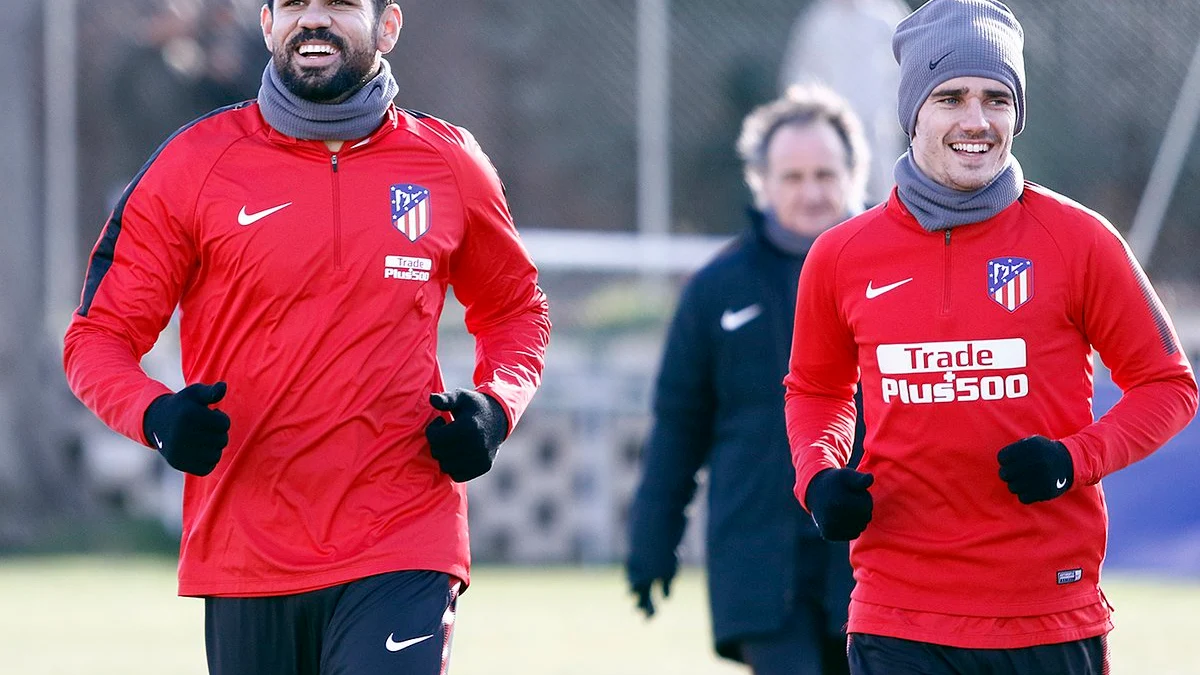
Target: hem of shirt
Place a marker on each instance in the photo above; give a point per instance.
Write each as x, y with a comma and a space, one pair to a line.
292, 583
955, 604
983, 641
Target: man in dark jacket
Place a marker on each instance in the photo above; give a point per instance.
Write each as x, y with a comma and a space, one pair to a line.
778, 592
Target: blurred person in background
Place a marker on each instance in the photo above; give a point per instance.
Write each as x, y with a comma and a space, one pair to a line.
846, 45
967, 308
308, 239
778, 592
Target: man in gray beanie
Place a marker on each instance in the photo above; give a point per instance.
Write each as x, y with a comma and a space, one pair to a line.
969, 304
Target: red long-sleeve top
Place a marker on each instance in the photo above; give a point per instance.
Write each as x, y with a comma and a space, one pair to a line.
312, 283
965, 341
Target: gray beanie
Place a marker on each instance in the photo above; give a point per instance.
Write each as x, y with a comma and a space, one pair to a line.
945, 39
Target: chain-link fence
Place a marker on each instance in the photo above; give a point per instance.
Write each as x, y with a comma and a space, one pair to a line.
550, 87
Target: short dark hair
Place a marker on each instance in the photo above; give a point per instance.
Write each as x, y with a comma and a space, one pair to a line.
379, 5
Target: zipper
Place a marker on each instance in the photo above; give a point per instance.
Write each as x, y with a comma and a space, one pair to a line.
337, 213
946, 276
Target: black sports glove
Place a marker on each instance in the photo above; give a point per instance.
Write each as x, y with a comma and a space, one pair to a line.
840, 503
643, 573
1036, 469
185, 430
466, 447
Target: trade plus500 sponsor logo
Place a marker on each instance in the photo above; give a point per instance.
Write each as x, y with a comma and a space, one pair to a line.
951, 360
406, 268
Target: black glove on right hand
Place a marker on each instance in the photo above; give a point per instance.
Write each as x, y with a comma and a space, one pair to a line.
840, 503
185, 430
643, 573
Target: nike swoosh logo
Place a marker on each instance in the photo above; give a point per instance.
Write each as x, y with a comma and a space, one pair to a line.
873, 293
156, 441
732, 321
933, 63
252, 218
1061, 483
393, 646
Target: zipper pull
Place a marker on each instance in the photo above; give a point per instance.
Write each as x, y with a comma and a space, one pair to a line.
333, 162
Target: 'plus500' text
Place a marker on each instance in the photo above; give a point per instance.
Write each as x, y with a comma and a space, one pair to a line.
989, 388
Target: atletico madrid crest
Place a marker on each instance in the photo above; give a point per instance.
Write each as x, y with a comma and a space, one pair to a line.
410, 210
1010, 281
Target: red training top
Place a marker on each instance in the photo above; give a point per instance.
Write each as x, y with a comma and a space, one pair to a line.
312, 284
965, 341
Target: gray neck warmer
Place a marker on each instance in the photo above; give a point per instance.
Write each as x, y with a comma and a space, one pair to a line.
787, 241
356, 117
937, 207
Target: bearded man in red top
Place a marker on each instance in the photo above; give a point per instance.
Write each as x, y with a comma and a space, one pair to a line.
308, 239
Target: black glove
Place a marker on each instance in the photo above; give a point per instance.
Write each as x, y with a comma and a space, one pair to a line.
185, 430
642, 573
1036, 469
840, 503
466, 447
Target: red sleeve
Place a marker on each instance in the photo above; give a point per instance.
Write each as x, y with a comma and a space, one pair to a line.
135, 277
822, 374
1126, 323
495, 280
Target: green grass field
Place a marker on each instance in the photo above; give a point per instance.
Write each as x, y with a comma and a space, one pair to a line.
104, 616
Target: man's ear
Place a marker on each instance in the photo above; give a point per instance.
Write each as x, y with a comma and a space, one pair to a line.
388, 29
267, 20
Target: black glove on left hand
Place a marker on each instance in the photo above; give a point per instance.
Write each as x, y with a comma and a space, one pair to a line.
1036, 469
840, 503
466, 447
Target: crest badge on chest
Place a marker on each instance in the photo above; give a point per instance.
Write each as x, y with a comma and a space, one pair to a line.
1010, 281
411, 211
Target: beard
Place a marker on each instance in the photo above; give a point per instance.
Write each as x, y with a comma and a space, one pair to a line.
330, 84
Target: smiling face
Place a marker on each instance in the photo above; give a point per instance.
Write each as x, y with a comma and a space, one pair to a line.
324, 50
964, 132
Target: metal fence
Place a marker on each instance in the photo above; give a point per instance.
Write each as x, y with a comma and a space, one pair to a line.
551, 88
